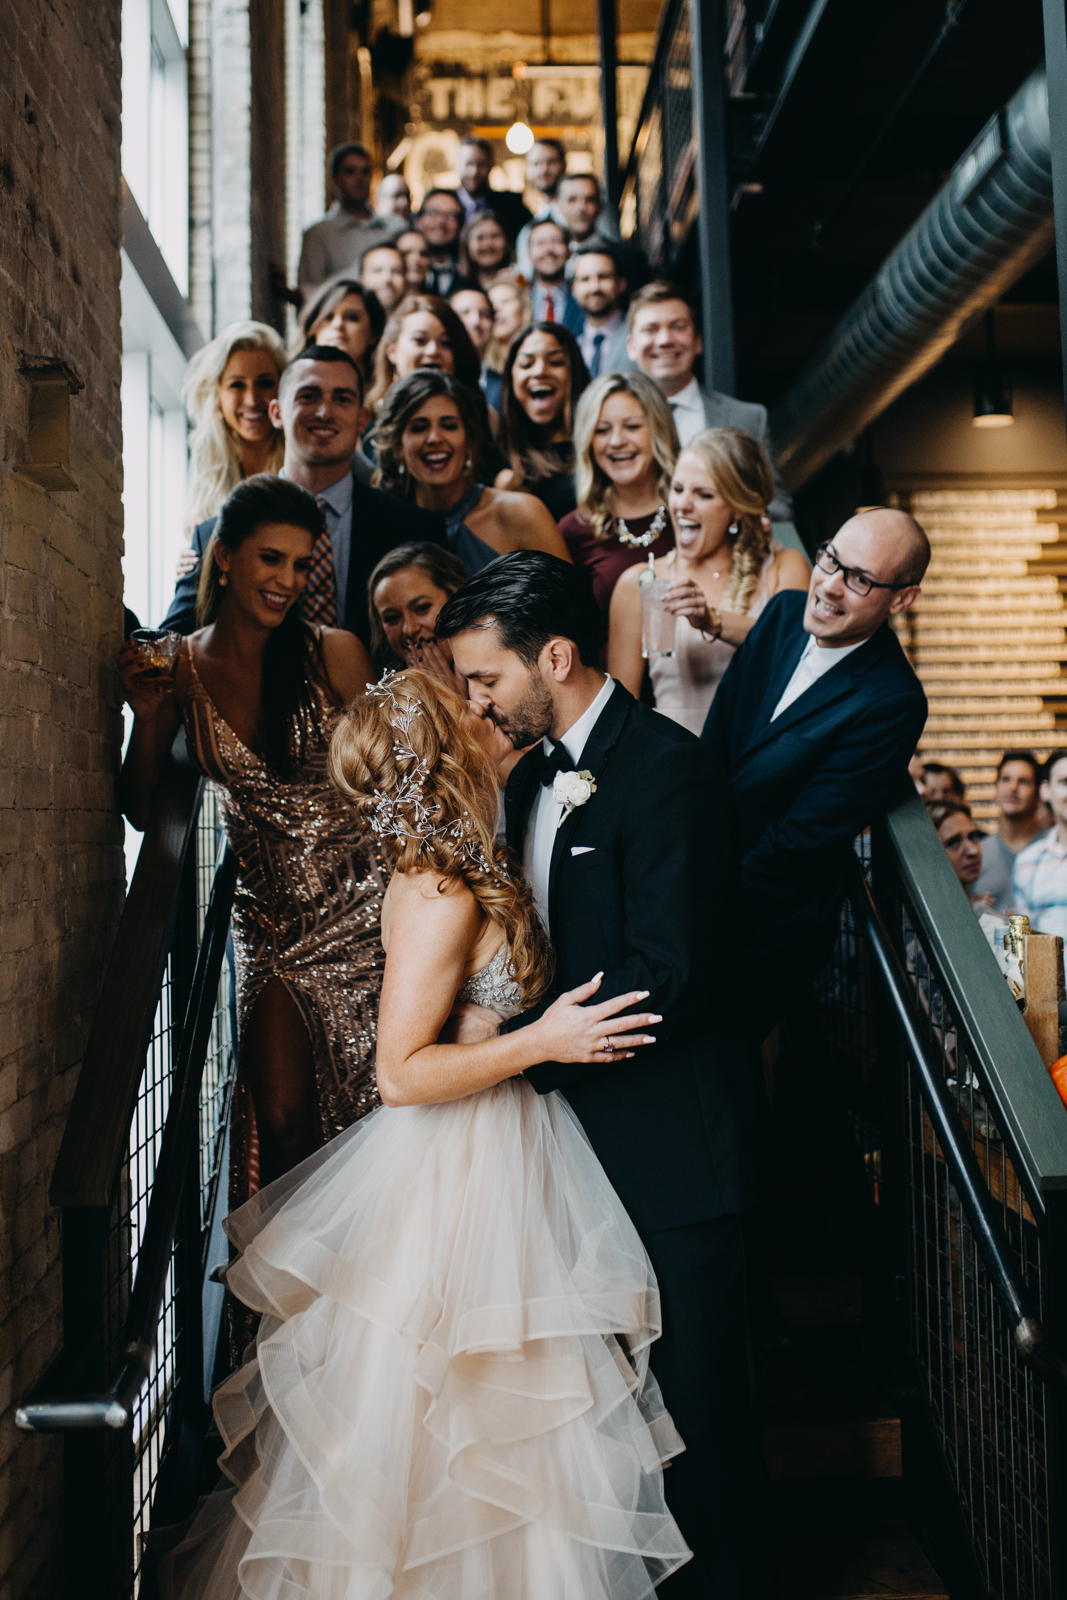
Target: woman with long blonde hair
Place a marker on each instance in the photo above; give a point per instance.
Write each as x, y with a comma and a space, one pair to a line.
723, 570
227, 390
625, 447
451, 1382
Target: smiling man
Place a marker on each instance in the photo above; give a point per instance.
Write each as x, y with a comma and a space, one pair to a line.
321, 412
812, 728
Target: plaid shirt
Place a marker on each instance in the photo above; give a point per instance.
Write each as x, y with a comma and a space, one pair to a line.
1039, 884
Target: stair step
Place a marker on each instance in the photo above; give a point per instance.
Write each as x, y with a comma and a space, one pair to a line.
819, 1300
858, 1564
827, 1426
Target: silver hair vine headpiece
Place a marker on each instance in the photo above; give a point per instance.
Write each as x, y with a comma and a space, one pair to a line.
404, 812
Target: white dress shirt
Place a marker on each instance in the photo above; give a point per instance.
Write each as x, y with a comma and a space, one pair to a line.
545, 813
688, 408
816, 661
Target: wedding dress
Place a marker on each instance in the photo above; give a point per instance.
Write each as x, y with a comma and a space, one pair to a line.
449, 1396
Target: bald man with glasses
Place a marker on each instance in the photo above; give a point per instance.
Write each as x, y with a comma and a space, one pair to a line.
812, 728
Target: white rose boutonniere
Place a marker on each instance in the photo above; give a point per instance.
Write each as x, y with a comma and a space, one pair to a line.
572, 789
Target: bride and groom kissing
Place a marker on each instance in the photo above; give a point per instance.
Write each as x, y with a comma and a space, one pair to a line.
493, 1313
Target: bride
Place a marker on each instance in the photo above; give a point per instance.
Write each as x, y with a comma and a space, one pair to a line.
449, 1396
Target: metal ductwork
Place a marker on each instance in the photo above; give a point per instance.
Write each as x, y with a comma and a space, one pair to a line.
984, 229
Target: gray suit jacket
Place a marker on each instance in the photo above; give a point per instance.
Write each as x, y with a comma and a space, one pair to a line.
725, 411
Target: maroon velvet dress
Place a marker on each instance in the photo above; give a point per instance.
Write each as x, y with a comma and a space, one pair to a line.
607, 559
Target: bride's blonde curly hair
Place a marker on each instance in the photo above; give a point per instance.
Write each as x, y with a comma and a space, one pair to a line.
405, 759
741, 473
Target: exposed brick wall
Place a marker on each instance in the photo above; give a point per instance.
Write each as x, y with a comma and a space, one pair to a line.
61, 870
267, 42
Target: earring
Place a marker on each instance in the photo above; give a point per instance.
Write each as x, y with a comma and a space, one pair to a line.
734, 529
223, 579
468, 465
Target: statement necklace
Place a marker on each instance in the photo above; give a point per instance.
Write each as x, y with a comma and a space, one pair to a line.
641, 541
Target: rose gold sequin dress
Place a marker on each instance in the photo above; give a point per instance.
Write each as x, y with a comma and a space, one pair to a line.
307, 910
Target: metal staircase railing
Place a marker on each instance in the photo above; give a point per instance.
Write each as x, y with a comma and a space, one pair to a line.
138, 1177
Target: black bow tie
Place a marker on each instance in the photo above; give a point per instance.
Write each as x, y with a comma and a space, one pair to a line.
549, 765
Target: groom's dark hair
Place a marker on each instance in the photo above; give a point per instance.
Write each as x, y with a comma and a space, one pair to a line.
531, 597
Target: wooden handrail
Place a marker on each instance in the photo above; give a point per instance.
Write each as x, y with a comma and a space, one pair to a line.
98, 1125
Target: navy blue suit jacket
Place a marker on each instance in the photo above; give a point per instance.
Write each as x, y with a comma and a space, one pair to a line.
379, 523
677, 1129
806, 784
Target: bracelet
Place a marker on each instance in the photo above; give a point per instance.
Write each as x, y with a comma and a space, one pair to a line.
715, 618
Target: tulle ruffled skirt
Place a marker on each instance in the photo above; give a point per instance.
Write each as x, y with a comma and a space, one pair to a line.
449, 1397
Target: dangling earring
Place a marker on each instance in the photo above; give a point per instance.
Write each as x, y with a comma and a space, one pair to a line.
223, 579
734, 529
468, 466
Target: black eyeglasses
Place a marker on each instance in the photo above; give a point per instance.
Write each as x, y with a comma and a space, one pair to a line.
857, 581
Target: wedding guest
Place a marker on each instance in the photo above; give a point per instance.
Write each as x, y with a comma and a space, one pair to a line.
382, 271
423, 331
416, 253
1039, 878
599, 287
942, 783
664, 342
963, 846
474, 309
484, 250
260, 690
439, 220
1018, 799
429, 437
580, 207
474, 162
549, 291
227, 389
394, 197
722, 571
350, 227
512, 310
543, 379
321, 412
845, 714
545, 165
406, 591
345, 313
625, 448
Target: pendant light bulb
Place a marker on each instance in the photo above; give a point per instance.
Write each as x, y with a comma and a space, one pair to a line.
519, 138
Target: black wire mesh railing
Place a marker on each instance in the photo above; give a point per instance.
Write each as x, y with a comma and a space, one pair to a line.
659, 190
989, 1410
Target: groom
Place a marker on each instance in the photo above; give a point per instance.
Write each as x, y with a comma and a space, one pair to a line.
630, 881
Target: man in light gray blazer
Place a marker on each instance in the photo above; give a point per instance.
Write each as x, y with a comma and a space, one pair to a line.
663, 342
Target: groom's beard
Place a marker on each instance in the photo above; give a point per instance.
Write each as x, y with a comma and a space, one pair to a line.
531, 718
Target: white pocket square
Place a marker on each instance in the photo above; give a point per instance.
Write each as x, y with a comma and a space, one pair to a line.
582, 849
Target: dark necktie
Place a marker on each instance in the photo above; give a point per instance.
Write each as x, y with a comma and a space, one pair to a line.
318, 603
598, 351
549, 765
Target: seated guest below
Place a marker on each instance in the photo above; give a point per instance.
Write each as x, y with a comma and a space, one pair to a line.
484, 250
664, 342
345, 313
474, 163
416, 253
474, 309
260, 689
812, 728
429, 439
599, 287
439, 220
963, 846
543, 379
551, 295
1018, 783
625, 448
723, 570
1039, 879
321, 412
350, 227
228, 388
942, 783
382, 272
406, 591
394, 197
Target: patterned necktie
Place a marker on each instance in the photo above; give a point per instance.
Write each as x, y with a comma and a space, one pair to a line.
318, 603
550, 310
598, 351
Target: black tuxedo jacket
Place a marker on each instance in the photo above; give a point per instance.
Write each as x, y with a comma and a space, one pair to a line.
379, 523
676, 1128
806, 784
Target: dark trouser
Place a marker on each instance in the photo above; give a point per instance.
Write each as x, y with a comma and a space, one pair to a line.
703, 1364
